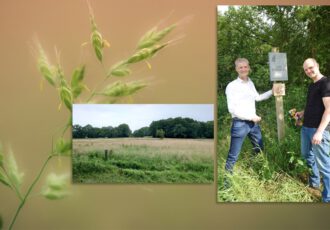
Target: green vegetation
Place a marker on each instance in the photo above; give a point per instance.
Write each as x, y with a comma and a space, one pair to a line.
89, 131
252, 31
141, 164
171, 128
261, 178
279, 173
160, 133
182, 128
142, 132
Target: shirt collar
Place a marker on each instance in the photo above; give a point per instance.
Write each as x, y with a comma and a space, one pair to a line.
242, 81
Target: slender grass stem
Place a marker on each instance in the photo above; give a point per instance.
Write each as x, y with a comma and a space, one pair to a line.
68, 125
94, 90
29, 191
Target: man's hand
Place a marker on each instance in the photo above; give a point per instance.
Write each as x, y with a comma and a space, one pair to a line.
299, 115
256, 119
317, 138
273, 89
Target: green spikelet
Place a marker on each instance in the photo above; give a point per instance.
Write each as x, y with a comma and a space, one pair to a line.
66, 96
46, 70
15, 176
55, 187
119, 70
120, 89
157, 48
76, 81
97, 40
63, 147
152, 37
140, 55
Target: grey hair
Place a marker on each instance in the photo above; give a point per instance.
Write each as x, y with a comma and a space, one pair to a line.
240, 60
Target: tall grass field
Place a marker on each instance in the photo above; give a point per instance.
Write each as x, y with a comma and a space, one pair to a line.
278, 174
142, 160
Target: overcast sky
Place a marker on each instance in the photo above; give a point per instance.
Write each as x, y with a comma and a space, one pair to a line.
222, 8
137, 116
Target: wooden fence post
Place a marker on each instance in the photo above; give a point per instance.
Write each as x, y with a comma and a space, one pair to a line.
106, 155
279, 110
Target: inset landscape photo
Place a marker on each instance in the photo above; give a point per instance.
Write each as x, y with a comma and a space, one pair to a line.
145, 143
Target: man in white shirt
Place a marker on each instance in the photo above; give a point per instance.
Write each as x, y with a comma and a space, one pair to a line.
241, 97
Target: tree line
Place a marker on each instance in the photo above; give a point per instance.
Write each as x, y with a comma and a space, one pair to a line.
170, 128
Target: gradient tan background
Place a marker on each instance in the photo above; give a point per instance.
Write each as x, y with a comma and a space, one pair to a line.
184, 73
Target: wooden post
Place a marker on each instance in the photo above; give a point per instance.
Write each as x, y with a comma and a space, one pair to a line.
279, 110
106, 155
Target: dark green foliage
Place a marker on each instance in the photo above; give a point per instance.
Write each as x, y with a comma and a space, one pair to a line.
252, 31
123, 130
182, 128
89, 131
160, 133
173, 128
143, 132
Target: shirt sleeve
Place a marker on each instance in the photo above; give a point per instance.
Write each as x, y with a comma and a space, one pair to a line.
263, 96
326, 88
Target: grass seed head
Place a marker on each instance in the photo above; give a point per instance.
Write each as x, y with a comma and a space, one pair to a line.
13, 173
146, 40
97, 41
152, 37
66, 97
55, 187
45, 68
145, 53
78, 75
157, 48
119, 70
140, 55
63, 147
76, 81
120, 89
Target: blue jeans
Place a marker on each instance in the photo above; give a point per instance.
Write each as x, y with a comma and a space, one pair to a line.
318, 159
239, 130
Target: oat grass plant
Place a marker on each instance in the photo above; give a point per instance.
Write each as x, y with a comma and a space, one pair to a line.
110, 90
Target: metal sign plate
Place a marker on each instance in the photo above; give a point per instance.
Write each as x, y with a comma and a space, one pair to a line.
278, 67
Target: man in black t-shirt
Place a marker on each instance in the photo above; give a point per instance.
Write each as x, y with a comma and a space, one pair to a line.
315, 135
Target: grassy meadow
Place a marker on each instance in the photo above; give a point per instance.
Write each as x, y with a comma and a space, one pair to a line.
278, 174
143, 160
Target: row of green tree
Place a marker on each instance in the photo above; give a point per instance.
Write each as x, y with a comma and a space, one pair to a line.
169, 128
182, 128
89, 131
